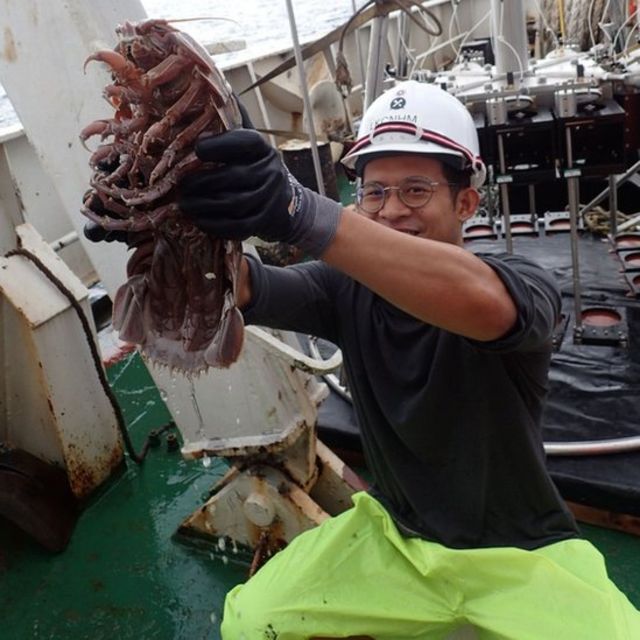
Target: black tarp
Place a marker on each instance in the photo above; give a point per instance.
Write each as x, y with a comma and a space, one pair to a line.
594, 388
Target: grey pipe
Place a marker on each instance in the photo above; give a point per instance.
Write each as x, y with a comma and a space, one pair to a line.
592, 447
504, 196
509, 25
375, 65
305, 98
613, 206
572, 448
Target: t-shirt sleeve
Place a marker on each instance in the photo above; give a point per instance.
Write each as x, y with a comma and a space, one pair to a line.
537, 299
295, 298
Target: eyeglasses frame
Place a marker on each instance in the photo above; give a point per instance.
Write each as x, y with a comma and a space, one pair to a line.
432, 183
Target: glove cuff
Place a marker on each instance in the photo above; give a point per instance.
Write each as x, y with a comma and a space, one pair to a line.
315, 220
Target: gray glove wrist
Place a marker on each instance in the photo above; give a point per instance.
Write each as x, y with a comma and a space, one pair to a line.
315, 219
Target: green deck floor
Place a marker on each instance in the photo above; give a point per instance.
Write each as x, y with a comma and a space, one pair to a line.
124, 577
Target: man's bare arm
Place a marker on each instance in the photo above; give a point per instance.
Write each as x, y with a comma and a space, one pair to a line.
439, 283
244, 285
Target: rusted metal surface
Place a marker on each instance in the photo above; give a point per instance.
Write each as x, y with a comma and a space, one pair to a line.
249, 447
52, 404
336, 482
289, 509
87, 471
36, 497
263, 504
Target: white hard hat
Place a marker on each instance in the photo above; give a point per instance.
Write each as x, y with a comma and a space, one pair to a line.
414, 117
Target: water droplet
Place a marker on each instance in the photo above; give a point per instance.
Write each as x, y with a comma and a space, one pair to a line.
225, 560
222, 544
237, 420
210, 275
206, 461
229, 387
234, 546
213, 617
164, 395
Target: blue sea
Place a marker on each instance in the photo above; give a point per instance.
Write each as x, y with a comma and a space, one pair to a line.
262, 24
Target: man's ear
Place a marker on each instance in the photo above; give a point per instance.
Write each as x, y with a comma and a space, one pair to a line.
467, 203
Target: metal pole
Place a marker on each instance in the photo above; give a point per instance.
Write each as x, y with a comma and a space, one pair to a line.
574, 205
532, 203
504, 197
64, 241
305, 98
356, 35
375, 70
510, 40
613, 206
575, 262
404, 32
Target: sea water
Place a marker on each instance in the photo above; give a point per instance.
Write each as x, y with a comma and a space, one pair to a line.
262, 24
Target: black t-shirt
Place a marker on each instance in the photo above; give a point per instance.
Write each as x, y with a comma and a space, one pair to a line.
450, 426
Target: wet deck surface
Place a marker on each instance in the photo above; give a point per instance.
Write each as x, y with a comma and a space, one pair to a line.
124, 576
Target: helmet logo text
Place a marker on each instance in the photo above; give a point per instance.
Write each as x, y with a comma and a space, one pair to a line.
407, 117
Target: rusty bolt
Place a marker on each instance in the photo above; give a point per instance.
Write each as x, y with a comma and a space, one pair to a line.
172, 442
154, 438
259, 509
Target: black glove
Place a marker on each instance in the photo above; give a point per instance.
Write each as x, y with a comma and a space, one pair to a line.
94, 231
253, 194
97, 233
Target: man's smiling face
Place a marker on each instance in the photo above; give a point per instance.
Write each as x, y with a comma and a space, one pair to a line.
440, 219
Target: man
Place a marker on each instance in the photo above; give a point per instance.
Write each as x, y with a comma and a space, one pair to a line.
447, 355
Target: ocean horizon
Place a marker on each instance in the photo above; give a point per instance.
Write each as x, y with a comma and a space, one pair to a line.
262, 24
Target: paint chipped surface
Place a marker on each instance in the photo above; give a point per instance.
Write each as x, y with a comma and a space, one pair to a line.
9, 49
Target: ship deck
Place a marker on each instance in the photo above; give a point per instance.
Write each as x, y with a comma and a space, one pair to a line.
125, 575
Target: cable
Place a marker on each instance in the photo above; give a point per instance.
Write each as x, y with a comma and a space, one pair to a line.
464, 40
502, 39
139, 458
422, 57
343, 77
628, 40
590, 23
456, 13
622, 26
547, 26
454, 7
604, 13
405, 46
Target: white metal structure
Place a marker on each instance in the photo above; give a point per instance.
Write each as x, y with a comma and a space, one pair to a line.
51, 402
259, 403
215, 405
